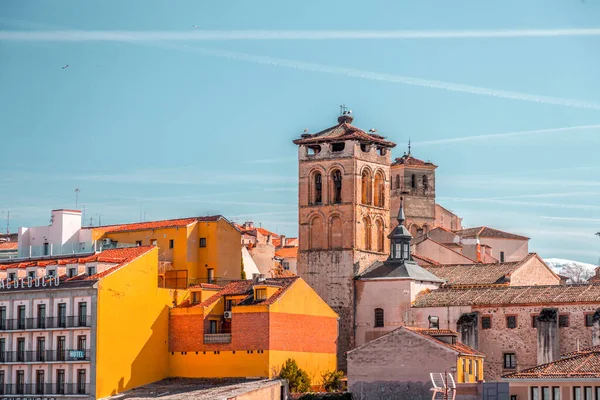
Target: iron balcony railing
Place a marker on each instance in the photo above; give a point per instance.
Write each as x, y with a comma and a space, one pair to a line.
224, 336
45, 389
37, 356
80, 321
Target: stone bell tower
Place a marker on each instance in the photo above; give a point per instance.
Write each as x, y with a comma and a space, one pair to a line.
344, 213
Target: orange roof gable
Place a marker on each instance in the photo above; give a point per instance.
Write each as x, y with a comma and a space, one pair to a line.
9, 246
287, 252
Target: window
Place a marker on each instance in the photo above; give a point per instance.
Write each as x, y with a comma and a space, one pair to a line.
210, 275
72, 272
196, 298
21, 317
2, 351
60, 381
46, 249
405, 252
171, 243
20, 381
91, 270
486, 322
534, 319
2, 381
41, 316
41, 349
12, 276
212, 327
379, 189
31, 274
60, 348
470, 367
511, 321
589, 321
576, 393
336, 179
81, 381
367, 233
397, 181
153, 242
62, 315
587, 393
366, 187
21, 349
138, 243
39, 382
434, 322
510, 361
556, 393
563, 321
379, 321
501, 256
82, 313
380, 237
425, 183
476, 370
285, 265
318, 187
3, 318
51, 272
535, 393
337, 147
546, 393
413, 181
202, 242
261, 294
513, 397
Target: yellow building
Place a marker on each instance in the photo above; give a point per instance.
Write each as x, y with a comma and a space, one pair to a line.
85, 327
250, 328
191, 250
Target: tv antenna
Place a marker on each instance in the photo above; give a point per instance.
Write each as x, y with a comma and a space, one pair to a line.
7, 221
77, 190
444, 387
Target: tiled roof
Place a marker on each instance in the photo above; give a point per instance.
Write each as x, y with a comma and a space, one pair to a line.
484, 231
509, 295
424, 261
398, 269
408, 159
9, 246
340, 132
583, 365
206, 286
245, 287
582, 351
287, 252
432, 335
167, 223
477, 274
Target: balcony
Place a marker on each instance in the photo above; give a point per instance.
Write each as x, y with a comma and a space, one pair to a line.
44, 356
46, 323
60, 389
221, 337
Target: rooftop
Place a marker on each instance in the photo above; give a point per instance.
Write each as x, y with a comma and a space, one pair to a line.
398, 269
509, 295
343, 131
433, 334
583, 365
477, 274
287, 252
408, 159
167, 223
196, 388
5, 246
484, 231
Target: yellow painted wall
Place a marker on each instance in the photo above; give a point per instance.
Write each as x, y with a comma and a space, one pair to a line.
132, 332
463, 377
225, 364
300, 298
315, 364
223, 251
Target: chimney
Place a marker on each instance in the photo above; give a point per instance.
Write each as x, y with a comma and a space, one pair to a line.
282, 244
248, 225
255, 278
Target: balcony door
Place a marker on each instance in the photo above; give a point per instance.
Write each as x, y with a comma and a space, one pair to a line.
21, 317
21, 349
81, 381
41, 316
60, 381
41, 349
60, 348
82, 313
62, 315
39, 382
20, 381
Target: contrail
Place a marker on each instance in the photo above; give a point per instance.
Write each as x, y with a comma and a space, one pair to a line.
498, 135
214, 35
390, 78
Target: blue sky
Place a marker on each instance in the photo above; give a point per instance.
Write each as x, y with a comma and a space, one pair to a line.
168, 120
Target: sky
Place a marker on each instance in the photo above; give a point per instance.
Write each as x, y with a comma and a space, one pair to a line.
155, 118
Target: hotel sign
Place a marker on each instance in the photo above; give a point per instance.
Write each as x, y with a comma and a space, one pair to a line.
44, 281
77, 354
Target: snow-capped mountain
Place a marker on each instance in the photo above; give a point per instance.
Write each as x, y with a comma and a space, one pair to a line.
578, 271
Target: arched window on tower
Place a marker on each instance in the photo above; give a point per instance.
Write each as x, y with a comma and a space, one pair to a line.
335, 232
413, 230
379, 189
367, 233
398, 181
366, 187
315, 233
379, 320
380, 238
336, 186
425, 183
318, 188
413, 181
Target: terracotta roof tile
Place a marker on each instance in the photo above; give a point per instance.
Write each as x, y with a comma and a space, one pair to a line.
433, 334
509, 295
340, 132
408, 159
582, 365
484, 231
9, 246
287, 252
581, 351
167, 223
423, 261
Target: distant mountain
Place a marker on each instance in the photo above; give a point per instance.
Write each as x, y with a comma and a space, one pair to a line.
578, 272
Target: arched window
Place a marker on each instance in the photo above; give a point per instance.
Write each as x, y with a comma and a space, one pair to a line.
335, 232
426, 231
398, 181
413, 230
379, 189
318, 188
367, 233
425, 183
379, 320
413, 181
366, 187
315, 233
336, 186
380, 238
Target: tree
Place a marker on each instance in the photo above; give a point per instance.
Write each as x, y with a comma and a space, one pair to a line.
279, 272
297, 378
577, 273
332, 380
243, 273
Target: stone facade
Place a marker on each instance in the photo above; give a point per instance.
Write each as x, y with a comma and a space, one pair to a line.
344, 200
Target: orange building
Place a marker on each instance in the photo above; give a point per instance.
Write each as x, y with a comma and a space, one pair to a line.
191, 250
249, 328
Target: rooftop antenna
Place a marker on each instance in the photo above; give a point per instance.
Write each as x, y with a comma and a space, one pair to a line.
7, 221
83, 213
409, 146
77, 190
343, 109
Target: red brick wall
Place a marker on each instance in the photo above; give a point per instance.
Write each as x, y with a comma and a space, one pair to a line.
249, 331
294, 332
